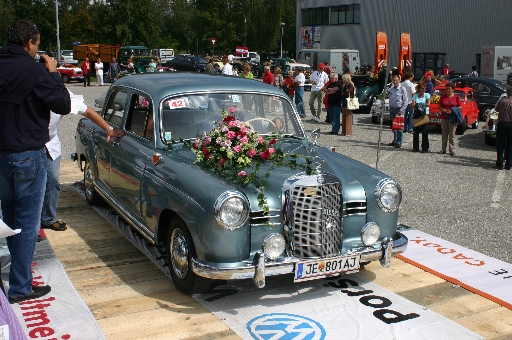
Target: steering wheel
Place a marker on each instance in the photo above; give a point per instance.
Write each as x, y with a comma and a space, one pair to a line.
265, 119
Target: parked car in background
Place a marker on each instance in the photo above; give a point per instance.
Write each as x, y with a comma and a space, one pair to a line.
66, 55
257, 69
469, 108
187, 63
491, 124
69, 72
317, 219
380, 107
487, 91
307, 72
367, 90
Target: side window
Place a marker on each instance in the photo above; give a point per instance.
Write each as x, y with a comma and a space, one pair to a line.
140, 116
115, 108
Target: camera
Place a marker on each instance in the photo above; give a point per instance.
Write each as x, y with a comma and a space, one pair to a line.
48, 53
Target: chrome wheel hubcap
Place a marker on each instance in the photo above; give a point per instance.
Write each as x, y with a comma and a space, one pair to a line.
179, 253
89, 188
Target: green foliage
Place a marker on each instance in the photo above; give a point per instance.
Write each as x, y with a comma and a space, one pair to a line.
185, 25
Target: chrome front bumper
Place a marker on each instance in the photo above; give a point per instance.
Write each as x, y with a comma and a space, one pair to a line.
260, 268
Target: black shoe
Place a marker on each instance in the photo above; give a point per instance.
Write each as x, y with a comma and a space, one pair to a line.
497, 167
425, 151
392, 144
39, 238
333, 133
398, 146
416, 151
37, 292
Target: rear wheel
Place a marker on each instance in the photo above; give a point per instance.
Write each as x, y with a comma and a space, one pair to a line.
462, 127
180, 251
65, 78
476, 123
91, 196
256, 73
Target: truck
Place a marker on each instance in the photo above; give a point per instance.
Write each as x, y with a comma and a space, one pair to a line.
163, 54
496, 62
338, 59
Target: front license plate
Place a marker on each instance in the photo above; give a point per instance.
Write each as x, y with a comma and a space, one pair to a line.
435, 120
317, 269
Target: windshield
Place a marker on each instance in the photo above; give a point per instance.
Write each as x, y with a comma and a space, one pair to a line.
363, 81
186, 117
140, 52
199, 60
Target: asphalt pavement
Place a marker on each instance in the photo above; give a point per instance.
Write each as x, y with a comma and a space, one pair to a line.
460, 198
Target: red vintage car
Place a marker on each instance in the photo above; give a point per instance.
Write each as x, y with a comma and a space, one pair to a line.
70, 72
469, 108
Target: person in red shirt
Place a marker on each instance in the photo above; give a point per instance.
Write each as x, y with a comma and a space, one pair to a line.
268, 77
86, 70
446, 69
448, 100
288, 83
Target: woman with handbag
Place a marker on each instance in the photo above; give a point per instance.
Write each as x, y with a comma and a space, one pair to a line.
420, 103
347, 93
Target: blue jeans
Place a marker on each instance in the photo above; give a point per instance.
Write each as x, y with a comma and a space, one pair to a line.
299, 101
52, 192
334, 113
22, 184
409, 112
397, 134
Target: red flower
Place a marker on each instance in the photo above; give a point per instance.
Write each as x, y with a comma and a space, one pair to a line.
222, 161
264, 155
206, 153
196, 144
273, 141
229, 119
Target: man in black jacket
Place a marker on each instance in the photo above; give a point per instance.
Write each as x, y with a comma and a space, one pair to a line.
383, 77
28, 91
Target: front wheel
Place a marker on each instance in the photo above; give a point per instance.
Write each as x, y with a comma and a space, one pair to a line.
65, 78
180, 251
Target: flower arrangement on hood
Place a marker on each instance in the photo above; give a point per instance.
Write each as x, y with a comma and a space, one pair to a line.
234, 150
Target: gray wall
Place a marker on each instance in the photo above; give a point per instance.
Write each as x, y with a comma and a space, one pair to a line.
457, 28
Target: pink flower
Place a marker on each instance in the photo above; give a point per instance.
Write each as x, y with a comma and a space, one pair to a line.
251, 153
242, 173
196, 144
232, 109
237, 148
206, 141
232, 124
270, 151
244, 140
243, 130
260, 139
231, 135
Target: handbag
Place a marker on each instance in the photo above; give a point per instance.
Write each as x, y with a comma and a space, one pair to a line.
419, 111
420, 121
398, 123
352, 103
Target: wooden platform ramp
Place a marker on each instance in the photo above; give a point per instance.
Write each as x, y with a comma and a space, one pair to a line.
132, 299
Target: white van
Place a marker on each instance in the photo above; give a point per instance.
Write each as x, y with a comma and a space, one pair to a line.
164, 54
337, 58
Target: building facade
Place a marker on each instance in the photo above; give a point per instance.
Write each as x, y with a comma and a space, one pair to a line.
441, 31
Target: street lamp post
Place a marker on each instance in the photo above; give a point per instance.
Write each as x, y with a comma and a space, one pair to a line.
58, 32
282, 32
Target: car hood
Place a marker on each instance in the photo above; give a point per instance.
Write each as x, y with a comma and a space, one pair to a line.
356, 178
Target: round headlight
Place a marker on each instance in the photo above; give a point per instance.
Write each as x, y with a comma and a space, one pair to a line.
370, 233
388, 194
378, 103
274, 246
231, 210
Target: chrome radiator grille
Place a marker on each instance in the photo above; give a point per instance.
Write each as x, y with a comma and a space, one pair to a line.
316, 221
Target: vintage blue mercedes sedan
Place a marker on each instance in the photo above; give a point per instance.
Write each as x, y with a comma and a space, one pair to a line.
296, 207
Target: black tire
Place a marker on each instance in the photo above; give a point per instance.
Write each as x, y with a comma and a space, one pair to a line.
65, 78
375, 119
489, 140
475, 124
180, 251
91, 196
256, 73
462, 127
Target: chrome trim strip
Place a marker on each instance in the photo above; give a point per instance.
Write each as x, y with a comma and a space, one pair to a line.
287, 265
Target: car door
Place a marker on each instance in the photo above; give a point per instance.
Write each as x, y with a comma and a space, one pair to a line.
130, 156
482, 93
113, 113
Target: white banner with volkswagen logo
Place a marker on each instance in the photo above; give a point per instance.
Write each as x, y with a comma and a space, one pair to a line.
347, 307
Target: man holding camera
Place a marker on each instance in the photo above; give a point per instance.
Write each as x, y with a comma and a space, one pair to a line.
28, 91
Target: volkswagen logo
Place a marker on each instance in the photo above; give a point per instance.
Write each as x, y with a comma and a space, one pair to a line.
285, 326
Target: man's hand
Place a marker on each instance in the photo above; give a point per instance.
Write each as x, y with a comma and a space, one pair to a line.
114, 133
399, 113
51, 64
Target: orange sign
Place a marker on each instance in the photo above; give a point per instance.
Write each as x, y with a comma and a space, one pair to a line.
405, 54
381, 51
